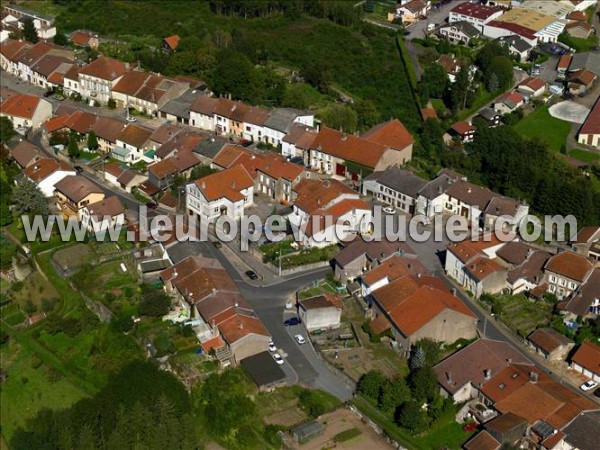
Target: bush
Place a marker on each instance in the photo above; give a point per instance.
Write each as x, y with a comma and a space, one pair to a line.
112, 104
373, 337
347, 435
312, 403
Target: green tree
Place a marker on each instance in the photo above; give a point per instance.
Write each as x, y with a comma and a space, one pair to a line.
7, 251
393, 393
430, 351
298, 95
60, 39
417, 358
154, 302
112, 103
340, 117
367, 114
413, 417
28, 199
501, 68
370, 383
435, 79
7, 131
92, 140
201, 171
423, 383
317, 74
311, 403
73, 147
29, 31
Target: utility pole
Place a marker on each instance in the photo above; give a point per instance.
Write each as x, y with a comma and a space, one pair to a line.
279, 262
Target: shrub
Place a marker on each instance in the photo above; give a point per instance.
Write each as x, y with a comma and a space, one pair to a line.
112, 104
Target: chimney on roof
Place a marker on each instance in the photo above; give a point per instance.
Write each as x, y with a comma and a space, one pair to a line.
509, 360
449, 377
533, 376
214, 291
236, 304
318, 200
344, 136
469, 190
454, 291
487, 373
232, 184
326, 183
241, 325
203, 185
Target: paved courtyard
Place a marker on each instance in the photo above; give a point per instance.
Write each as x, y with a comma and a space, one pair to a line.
569, 111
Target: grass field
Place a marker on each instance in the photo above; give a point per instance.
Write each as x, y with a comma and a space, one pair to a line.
540, 125
29, 389
520, 314
584, 155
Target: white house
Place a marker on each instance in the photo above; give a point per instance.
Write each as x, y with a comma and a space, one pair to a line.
202, 113
97, 79
532, 87
586, 360
104, 215
227, 192
131, 144
46, 172
460, 255
475, 14
323, 312
431, 197
43, 23
26, 111
396, 187
281, 121
327, 212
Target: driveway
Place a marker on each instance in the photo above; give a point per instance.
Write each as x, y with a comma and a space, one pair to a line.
436, 16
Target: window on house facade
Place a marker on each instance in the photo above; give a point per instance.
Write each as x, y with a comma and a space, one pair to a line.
552, 279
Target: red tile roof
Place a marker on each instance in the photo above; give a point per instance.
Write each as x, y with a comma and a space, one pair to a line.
582, 76
482, 441
317, 221
110, 206
513, 27
239, 326
348, 147
588, 357
481, 268
81, 121
548, 339
11, 49
45, 167
228, 155
20, 105
322, 301
163, 169
56, 123
470, 193
135, 135
105, 68
467, 249
463, 127
392, 134
173, 41
81, 37
316, 194
114, 168
428, 113
276, 166
24, 153
585, 235
423, 306
213, 344
592, 122
131, 82
564, 62
570, 265
475, 10
227, 183
533, 83
108, 128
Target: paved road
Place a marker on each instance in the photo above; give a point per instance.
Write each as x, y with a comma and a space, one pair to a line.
11, 82
435, 16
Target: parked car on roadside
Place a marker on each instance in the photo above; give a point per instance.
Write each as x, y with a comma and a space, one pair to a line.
292, 321
588, 385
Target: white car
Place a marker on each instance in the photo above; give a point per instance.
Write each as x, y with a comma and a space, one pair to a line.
130, 119
278, 358
588, 385
300, 339
389, 210
272, 347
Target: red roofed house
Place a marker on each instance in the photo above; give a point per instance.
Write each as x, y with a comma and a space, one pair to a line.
563, 65
146, 92
472, 265
171, 43
26, 111
276, 177
326, 212
509, 102
25, 154
580, 81
97, 79
410, 11
226, 192
85, 38
335, 153
589, 133
104, 215
565, 272
586, 360
423, 312
227, 323
463, 130
46, 172
474, 13
532, 87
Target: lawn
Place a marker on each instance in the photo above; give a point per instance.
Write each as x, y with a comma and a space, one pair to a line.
584, 155
483, 98
28, 389
580, 45
318, 288
540, 125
